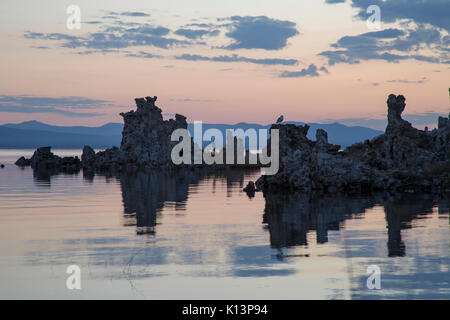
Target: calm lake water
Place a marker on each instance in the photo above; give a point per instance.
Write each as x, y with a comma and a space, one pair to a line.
196, 236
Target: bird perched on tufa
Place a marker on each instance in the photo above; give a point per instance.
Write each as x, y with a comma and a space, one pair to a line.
280, 119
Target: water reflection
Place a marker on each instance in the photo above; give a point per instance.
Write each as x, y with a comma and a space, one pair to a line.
202, 233
289, 218
43, 178
233, 177
400, 212
145, 194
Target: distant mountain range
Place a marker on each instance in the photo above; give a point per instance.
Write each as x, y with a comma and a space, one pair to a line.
33, 134
337, 133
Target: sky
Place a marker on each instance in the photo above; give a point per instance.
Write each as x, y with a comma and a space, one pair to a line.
224, 61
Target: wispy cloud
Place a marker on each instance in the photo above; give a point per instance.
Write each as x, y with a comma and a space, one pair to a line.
192, 100
201, 25
236, 58
143, 54
311, 71
129, 14
114, 37
128, 35
324, 69
92, 22
60, 105
40, 47
196, 33
423, 80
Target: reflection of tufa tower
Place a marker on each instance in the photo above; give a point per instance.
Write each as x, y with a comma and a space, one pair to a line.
235, 149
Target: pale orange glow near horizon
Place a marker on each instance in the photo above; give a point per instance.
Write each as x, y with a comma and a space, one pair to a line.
211, 91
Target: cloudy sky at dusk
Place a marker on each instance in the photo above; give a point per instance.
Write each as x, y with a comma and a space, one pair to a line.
224, 61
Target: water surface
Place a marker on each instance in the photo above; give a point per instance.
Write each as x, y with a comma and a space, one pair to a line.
198, 236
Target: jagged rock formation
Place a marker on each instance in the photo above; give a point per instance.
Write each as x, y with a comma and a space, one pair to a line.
404, 158
146, 136
146, 145
146, 142
416, 159
88, 156
23, 162
322, 144
402, 147
43, 159
306, 165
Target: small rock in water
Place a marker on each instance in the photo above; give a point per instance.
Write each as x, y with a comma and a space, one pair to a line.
2, 165
23, 162
250, 189
43, 159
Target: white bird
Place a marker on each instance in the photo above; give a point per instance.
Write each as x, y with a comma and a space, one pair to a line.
280, 119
